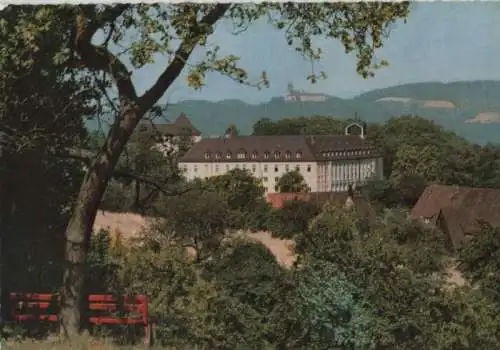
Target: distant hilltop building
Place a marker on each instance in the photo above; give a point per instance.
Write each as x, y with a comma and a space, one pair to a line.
300, 96
328, 163
181, 127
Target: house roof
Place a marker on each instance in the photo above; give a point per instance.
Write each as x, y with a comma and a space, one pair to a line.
182, 126
280, 148
461, 207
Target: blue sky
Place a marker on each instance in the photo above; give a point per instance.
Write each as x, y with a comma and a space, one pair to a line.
441, 41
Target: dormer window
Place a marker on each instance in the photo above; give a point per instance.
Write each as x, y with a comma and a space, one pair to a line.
207, 155
241, 155
217, 155
277, 154
298, 155
266, 155
228, 155
254, 155
143, 128
288, 154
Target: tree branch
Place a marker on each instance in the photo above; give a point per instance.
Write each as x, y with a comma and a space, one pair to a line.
98, 57
151, 96
148, 181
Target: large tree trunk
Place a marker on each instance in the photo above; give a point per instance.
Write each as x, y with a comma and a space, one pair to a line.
79, 229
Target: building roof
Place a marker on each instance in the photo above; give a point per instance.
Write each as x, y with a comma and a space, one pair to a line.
361, 205
280, 148
182, 126
461, 208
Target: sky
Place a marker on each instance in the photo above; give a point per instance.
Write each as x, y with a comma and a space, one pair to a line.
441, 41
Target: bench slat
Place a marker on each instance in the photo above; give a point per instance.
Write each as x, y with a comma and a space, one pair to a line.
92, 306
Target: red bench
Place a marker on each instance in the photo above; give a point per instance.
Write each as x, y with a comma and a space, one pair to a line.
45, 307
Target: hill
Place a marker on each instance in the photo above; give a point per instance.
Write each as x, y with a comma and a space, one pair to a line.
452, 105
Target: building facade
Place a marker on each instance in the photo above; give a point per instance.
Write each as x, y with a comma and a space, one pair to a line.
328, 163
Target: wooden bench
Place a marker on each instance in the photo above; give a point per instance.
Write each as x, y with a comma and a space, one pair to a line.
27, 307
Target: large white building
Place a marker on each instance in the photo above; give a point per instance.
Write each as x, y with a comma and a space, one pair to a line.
328, 163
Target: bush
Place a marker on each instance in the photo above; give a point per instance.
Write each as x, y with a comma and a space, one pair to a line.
293, 218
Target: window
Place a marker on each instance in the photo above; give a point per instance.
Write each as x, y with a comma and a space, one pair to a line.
266, 189
308, 168
287, 168
244, 166
276, 188
254, 155
241, 155
297, 168
265, 179
227, 167
298, 155
143, 128
277, 154
276, 179
228, 155
265, 168
427, 221
217, 155
206, 168
276, 168
195, 168
254, 168
207, 155
288, 154
185, 168
216, 168
266, 155
237, 166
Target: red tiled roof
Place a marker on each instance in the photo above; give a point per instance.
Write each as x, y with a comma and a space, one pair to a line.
461, 208
361, 204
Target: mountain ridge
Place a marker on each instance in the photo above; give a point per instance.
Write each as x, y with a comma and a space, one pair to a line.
469, 98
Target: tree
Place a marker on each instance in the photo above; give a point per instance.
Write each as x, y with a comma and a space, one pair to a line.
360, 27
41, 110
315, 125
292, 182
197, 219
396, 264
479, 260
142, 168
244, 195
293, 218
231, 130
331, 311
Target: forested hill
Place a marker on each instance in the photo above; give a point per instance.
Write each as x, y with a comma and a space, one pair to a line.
471, 108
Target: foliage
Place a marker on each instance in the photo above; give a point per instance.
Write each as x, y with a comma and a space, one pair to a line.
480, 260
103, 264
144, 159
244, 196
331, 311
197, 219
292, 182
231, 130
41, 113
397, 265
293, 218
249, 272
